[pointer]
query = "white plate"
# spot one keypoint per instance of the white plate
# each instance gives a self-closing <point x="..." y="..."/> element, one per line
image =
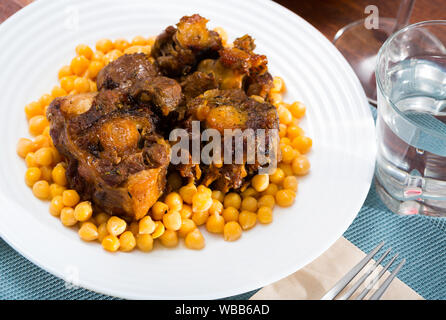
<point x="41" y="38"/>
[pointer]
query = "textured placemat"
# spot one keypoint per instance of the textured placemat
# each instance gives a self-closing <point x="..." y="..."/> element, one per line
<point x="421" y="240"/>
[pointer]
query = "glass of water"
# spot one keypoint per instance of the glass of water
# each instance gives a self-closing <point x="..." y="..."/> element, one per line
<point x="411" y="124"/>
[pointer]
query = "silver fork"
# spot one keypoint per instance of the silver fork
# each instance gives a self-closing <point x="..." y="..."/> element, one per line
<point x="341" y="284"/>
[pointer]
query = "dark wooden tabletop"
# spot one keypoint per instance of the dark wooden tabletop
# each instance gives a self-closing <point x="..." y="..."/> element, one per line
<point x="326" y="15"/>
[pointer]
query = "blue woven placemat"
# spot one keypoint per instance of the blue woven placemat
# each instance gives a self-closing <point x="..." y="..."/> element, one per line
<point x="419" y="239"/>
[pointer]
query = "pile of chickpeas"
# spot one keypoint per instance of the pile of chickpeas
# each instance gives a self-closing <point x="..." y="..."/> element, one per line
<point x="180" y="213"/>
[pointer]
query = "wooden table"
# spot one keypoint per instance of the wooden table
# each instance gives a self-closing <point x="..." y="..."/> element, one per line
<point x="328" y="16"/>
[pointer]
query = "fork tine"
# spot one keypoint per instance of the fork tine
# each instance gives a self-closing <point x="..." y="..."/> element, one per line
<point x="352" y="290"/>
<point x="340" y="285"/>
<point x="377" y="295"/>
<point x="376" y="279"/>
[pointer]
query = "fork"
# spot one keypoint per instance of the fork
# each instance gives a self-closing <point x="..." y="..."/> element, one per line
<point x="341" y="284"/>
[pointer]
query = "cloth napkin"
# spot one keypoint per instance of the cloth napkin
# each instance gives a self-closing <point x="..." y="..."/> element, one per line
<point x="315" y="279"/>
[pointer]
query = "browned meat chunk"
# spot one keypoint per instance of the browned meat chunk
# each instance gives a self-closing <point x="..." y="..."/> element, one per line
<point x="136" y="76"/>
<point x="197" y="83"/>
<point x="238" y="67"/>
<point x="230" y="109"/>
<point x="126" y="71"/>
<point x="178" y="50"/>
<point x="115" y="157"/>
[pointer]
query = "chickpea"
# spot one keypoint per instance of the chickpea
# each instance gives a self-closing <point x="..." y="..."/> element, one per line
<point x="58" y="175"/>
<point x="301" y="165"/>
<point x="41" y="141"/>
<point x="138" y="41"/>
<point x="104" y="45"/>
<point x="297" y="109"/>
<point x="201" y="202"/>
<point x="84" y="50"/>
<point x="67" y="217"/>
<point x="127" y="241"/>
<point x="116" y="226"/>
<point x="81" y="85"/>
<point x="24" y="146"/>
<point x="70" y="198"/>
<point x="284" y="114"/>
<point x="204" y="189"/>
<point x="250" y="192"/>
<point x="271" y="190"/>
<point x="288" y="153"/>
<point x="302" y="143"/>
<point x="247" y="219"/>
<point x="260" y="182"/>
<point x="265" y="215"/>
<point x="98" y="56"/>
<point x="266" y="201"/>
<point x="285" y="197"/>
<point x="216" y="207"/>
<point x="56" y="206"/>
<point x="58" y="92"/>
<point x="65" y="71"/>
<point x="285" y="140"/>
<point x="121" y="44"/>
<point x="187" y="192"/>
<point x="159" y="230"/>
<point x="56" y="190"/>
<point x="41" y="190"/>
<point x="111" y="56"/>
<point x="37" y="124"/>
<point x="111" y="243"/>
<point x="172" y="220"/>
<point x="187" y="225"/>
<point x="249" y="204"/>
<point x="102" y="231"/>
<point x="146" y="225"/>
<point x="230" y="214"/>
<point x="174" y="201"/>
<point x="44" y="156"/>
<point x="290" y="183"/>
<point x="277" y="176"/>
<point x="194" y="240"/>
<point x="32" y="175"/>
<point x="94" y="68"/>
<point x="293" y="132"/>
<point x="144" y="242"/>
<point x="79" y="65"/>
<point x="101" y="218"/>
<point x="215" y="223"/>
<point x="88" y="231"/>
<point x="67" y="83"/>
<point x="200" y="217"/>
<point x="278" y="85"/>
<point x="232" y="200"/>
<point x="33" y="109"/>
<point x="46" y="173"/>
<point x="232" y="231"/>
<point x="159" y="209"/>
<point x="282" y="130"/>
<point x="286" y="168"/>
<point x="218" y="195"/>
<point x="169" y="238"/>
<point x="186" y="211"/>
<point x="45" y="100"/>
<point x="83" y="211"/>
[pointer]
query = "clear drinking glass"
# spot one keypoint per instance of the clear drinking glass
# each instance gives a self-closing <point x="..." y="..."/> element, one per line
<point x="411" y="124"/>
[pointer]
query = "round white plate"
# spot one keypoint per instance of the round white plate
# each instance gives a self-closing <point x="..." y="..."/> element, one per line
<point x="41" y="38"/>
